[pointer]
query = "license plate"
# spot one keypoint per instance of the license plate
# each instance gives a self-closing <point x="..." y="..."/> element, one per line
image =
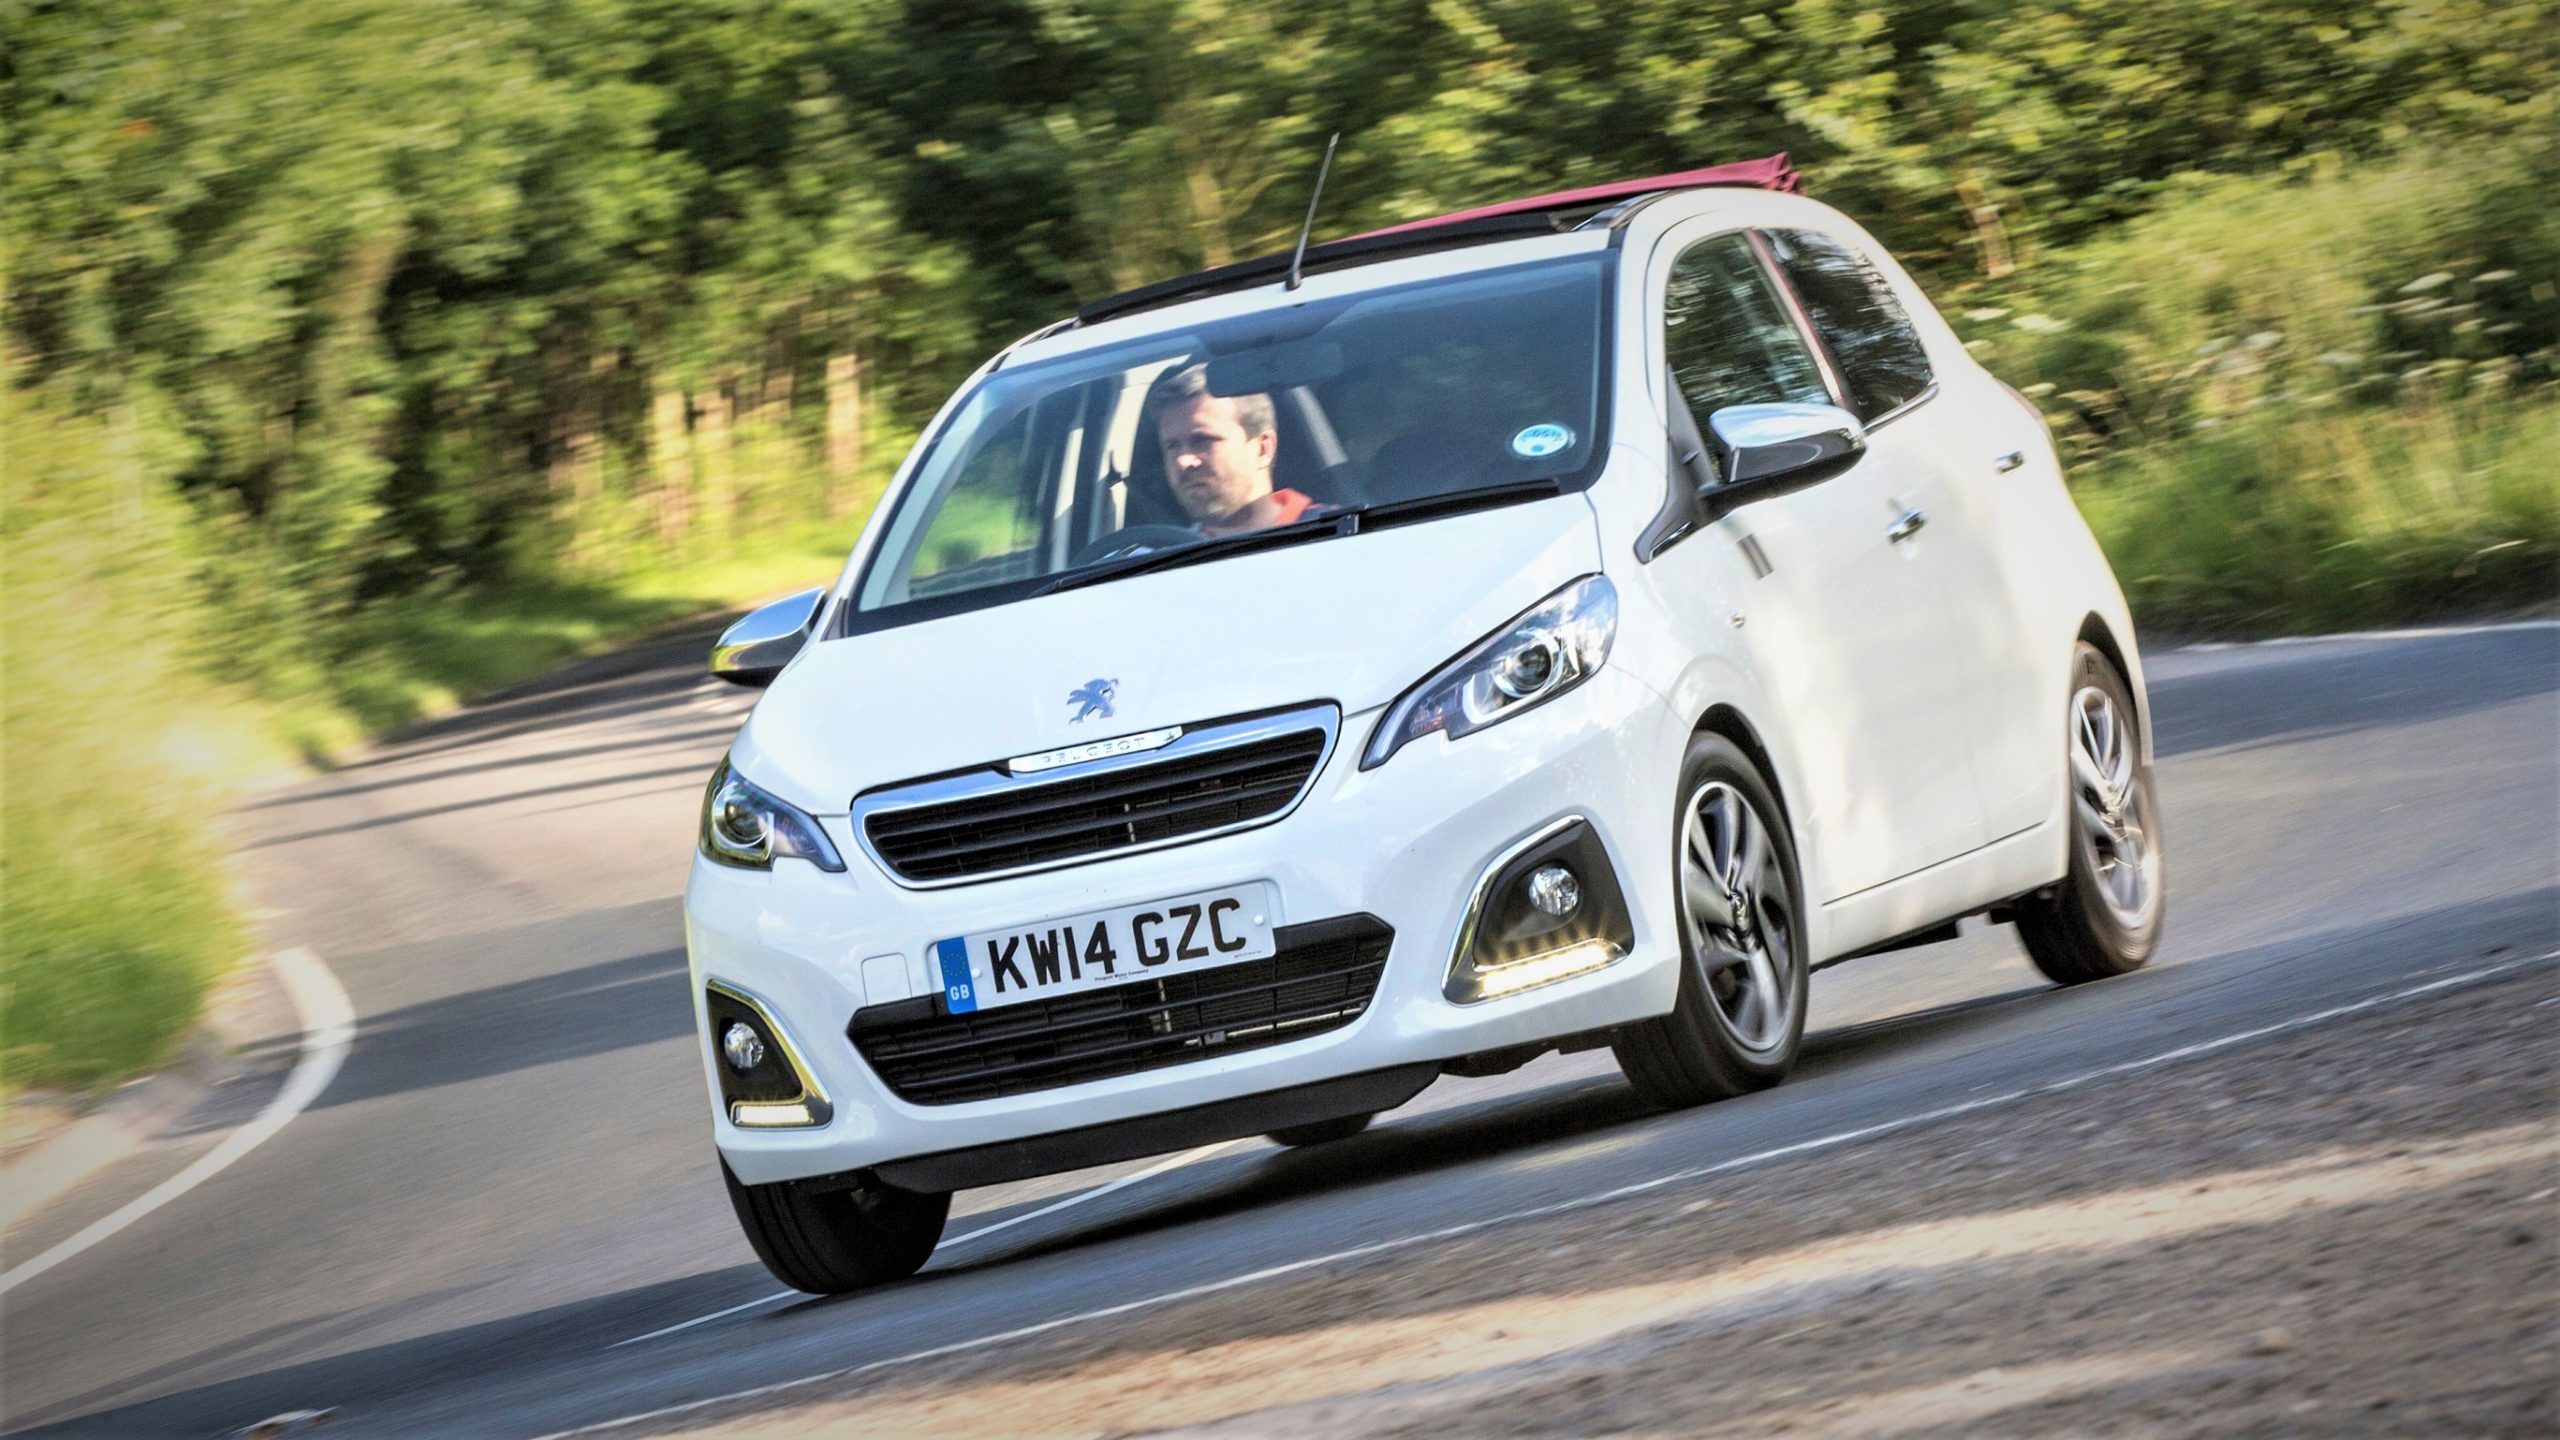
<point x="1106" y="947"/>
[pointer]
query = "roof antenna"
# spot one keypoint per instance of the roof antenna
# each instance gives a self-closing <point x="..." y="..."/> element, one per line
<point x="1299" y="257"/>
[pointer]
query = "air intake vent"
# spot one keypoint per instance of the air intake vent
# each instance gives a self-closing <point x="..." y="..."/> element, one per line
<point x="1220" y="778"/>
<point x="1321" y="978"/>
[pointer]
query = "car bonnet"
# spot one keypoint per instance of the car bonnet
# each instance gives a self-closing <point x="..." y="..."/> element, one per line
<point x="1354" y="621"/>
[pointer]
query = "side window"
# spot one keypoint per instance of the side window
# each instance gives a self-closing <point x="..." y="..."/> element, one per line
<point x="1727" y="336"/>
<point x="1870" y="337"/>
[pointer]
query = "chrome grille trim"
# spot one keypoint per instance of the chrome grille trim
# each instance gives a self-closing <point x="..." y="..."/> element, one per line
<point x="992" y="781"/>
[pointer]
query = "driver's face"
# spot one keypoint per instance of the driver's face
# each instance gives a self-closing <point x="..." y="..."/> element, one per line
<point x="1216" y="468"/>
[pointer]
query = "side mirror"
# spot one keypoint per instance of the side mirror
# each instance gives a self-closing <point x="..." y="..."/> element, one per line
<point x="1766" y="450"/>
<point x="754" y="650"/>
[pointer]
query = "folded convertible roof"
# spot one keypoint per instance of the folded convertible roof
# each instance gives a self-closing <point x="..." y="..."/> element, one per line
<point x="1548" y="214"/>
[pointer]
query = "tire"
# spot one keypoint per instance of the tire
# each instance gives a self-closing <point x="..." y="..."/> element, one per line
<point x="1714" y="1044"/>
<point x="1321" y="1132"/>
<point x="834" y="1238"/>
<point x="2104" y="917"/>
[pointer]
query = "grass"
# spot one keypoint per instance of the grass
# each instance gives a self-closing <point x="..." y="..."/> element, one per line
<point x="114" y="915"/>
<point x="424" y="656"/>
<point x="119" y="753"/>
<point x="2290" y="521"/>
<point x="2311" y="401"/>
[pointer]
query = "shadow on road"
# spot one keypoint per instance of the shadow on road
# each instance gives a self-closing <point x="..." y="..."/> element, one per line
<point x="691" y="771"/>
<point x="638" y="998"/>
<point x="2329" y="689"/>
<point x="331" y="789"/>
<point x="643" y="677"/>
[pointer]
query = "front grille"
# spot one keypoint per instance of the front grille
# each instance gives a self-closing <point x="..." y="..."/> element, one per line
<point x="1321" y="978"/>
<point x="1202" y="784"/>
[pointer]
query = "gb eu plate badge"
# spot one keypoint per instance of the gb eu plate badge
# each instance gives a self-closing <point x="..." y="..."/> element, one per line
<point x="959" y="993"/>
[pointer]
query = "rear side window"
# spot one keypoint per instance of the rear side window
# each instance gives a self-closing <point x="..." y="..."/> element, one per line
<point x="1726" y="334"/>
<point x="1870" y="338"/>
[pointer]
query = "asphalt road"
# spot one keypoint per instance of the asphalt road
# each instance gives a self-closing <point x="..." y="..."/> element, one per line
<point x="511" y="1176"/>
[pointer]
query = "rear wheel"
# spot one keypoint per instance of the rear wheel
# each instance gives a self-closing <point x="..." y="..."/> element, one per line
<point x="2104" y="918"/>
<point x="832" y="1236"/>
<point x="1740" y="1015"/>
<point x="1321" y="1132"/>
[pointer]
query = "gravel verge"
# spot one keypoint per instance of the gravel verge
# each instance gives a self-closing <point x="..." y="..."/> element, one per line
<point x="2351" y="1229"/>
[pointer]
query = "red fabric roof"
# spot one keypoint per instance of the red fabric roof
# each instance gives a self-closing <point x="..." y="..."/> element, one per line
<point x="1773" y="173"/>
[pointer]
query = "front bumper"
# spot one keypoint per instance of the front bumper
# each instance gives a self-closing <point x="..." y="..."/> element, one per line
<point x="1406" y="842"/>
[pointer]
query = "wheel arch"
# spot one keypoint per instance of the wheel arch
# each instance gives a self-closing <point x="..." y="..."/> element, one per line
<point x="1726" y="720"/>
<point x="2096" y="632"/>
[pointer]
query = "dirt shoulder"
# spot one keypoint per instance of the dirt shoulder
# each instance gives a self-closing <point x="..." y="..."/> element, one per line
<point x="2351" y="1229"/>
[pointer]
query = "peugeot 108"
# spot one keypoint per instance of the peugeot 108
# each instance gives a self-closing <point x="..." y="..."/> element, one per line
<point x="1557" y="626"/>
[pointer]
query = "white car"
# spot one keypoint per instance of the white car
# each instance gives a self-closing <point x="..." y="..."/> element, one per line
<point x="1565" y="625"/>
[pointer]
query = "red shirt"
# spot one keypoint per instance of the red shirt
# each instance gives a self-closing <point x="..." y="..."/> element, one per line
<point x="1287" y="505"/>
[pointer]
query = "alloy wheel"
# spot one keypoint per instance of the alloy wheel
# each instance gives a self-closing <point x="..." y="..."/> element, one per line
<point x="1739" y="916"/>
<point x="2111" y="811"/>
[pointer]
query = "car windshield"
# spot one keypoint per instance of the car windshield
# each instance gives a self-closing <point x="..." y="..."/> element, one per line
<point x="1379" y="403"/>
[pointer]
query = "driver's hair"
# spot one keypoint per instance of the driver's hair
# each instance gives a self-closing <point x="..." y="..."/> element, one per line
<point x="1253" y="409"/>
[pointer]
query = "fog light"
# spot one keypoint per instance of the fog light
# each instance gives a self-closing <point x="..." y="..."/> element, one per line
<point x="1554" y="891"/>
<point x="742" y="1046"/>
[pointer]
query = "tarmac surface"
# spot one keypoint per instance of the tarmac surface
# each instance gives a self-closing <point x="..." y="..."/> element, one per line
<point x="510" y="1183"/>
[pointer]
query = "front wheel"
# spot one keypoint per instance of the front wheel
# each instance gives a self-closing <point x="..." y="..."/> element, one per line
<point x="838" y="1235"/>
<point x="1740" y="1015"/>
<point x="2104" y="918"/>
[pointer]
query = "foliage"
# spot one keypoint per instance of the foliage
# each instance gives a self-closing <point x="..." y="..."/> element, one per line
<point x="360" y="352"/>
<point x="112" y="911"/>
<point x="2310" y="401"/>
<point x="2300" y="519"/>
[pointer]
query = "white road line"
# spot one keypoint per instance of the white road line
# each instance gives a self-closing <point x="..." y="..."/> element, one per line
<point x="328" y="1029"/>
<point x="2419" y="632"/>
<point x="775" y="1298"/>
<point x="1582" y="1202"/>
<point x="1170" y="1162"/>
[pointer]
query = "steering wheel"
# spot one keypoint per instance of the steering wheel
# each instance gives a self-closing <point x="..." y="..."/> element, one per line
<point x="1134" y="540"/>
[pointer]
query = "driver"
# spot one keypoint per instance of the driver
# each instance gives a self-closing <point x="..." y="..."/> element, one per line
<point x="1217" y="452"/>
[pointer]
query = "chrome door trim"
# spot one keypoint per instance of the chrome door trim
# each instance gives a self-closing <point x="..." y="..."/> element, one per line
<point x="1905" y="408"/>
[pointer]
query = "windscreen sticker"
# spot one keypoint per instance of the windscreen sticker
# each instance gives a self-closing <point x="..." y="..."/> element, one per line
<point x="1539" y="441"/>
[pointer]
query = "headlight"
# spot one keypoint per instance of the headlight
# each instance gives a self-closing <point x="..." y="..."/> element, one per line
<point x="1557" y="644"/>
<point x="743" y="825"/>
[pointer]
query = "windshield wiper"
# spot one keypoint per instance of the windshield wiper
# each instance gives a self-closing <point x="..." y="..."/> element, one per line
<point x="1314" y="527"/>
<point x="1329" y="525"/>
<point x="1451" y="502"/>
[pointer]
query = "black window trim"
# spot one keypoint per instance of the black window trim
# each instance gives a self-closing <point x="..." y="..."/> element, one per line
<point x="1833" y="378"/>
<point x="1822" y="350"/>
<point x="1683" y="512"/>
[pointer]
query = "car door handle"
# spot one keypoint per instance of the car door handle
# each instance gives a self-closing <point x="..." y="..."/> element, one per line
<point x="1908" y="526"/>
<point x="2011" y="461"/>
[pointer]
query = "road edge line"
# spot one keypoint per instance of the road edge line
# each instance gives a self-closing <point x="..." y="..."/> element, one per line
<point x="2226" y="1041"/>
<point x="2404" y="632"/>
<point x="1170" y="1162"/>
<point x="328" y="1032"/>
